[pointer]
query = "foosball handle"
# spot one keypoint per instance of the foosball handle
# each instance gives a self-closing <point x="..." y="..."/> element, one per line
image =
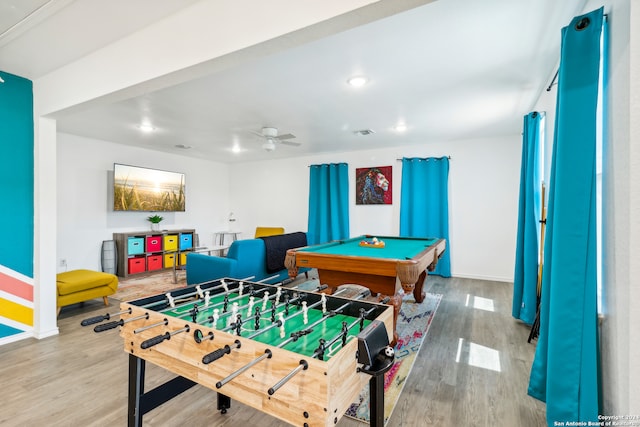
<point x="107" y="326"/>
<point x="217" y="354"/>
<point x="154" y="341"/>
<point x="94" y="320"/>
<point x="211" y="357"/>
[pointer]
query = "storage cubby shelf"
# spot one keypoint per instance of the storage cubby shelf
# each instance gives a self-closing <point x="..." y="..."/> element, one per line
<point x="146" y="252"/>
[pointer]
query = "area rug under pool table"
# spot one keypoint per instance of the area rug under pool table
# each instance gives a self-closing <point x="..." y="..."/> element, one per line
<point x="413" y="325"/>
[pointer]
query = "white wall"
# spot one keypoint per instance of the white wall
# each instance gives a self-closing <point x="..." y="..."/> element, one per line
<point x="483" y="179"/>
<point x="85" y="201"/>
<point x="621" y="191"/>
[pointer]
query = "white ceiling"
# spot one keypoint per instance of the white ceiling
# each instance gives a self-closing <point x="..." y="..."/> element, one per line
<point x="451" y="69"/>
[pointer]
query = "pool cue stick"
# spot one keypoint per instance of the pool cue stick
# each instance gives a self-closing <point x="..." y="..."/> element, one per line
<point x="291" y="316"/>
<point x="116" y="323"/>
<point x="217" y="354"/>
<point x="267" y="355"/>
<point x="301" y="367"/>
<point x="153" y="325"/>
<point x="160" y="338"/>
<point x="98" y="319"/>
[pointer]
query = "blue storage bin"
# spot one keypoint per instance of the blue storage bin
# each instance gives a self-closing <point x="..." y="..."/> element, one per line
<point x="186" y="241"/>
<point x="135" y="245"/>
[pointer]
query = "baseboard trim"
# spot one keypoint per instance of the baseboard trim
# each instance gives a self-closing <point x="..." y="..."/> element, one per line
<point x="489" y="278"/>
<point x="16" y="337"/>
<point x="46" y="334"/>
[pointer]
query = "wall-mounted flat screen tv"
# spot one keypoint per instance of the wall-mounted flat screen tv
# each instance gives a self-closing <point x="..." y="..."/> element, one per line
<point x="144" y="189"/>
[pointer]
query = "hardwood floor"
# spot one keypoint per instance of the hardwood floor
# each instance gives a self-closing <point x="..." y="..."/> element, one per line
<point x="473" y="369"/>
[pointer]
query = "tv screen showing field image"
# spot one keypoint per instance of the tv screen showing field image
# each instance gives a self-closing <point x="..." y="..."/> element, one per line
<point x="143" y="189"/>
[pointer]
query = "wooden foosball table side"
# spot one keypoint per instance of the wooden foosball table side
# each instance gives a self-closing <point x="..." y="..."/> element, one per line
<point x="315" y="396"/>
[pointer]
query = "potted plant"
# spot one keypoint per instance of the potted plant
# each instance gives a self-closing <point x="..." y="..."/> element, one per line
<point x="155" y="222"/>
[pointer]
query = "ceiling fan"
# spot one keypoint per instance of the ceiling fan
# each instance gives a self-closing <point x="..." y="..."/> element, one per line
<point x="271" y="138"/>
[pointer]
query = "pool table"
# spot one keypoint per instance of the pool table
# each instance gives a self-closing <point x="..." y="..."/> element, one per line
<point x="401" y="265"/>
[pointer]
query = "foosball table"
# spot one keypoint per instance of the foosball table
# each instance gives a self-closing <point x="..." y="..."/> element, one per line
<point x="300" y="356"/>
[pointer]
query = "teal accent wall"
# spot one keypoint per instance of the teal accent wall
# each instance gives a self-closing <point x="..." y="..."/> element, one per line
<point x="16" y="173"/>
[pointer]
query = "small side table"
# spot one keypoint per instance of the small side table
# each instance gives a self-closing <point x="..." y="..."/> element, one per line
<point x="220" y="237"/>
<point x="199" y="249"/>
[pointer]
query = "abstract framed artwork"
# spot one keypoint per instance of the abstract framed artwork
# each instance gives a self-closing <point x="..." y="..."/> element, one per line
<point x="374" y="185"/>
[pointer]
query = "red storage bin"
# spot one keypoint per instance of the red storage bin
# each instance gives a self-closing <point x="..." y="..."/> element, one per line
<point x="154" y="244"/>
<point x="154" y="262"/>
<point x="137" y="265"/>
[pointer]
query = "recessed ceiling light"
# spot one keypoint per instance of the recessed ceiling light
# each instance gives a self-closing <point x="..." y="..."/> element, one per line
<point x="146" y="127"/>
<point x="357" y="81"/>
<point x="400" y="127"/>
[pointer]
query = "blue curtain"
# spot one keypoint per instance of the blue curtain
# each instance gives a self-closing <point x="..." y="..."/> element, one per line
<point x="565" y="370"/>
<point x="328" y="203"/>
<point x="424" y="203"/>
<point x="525" y="281"/>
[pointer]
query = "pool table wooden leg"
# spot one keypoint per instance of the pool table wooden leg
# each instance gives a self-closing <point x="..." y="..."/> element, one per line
<point x="396" y="302"/>
<point x="418" y="291"/>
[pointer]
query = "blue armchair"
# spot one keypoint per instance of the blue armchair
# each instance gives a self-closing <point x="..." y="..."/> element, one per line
<point x="245" y="259"/>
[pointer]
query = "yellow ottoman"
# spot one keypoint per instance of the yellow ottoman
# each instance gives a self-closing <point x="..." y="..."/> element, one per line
<point x="82" y="285"/>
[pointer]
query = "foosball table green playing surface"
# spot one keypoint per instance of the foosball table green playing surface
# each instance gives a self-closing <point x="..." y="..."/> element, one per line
<point x="300" y="356"/>
<point x="257" y="318"/>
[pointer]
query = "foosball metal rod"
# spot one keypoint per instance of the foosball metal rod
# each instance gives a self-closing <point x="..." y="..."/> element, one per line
<point x="291" y="316"/>
<point x="116" y="323"/>
<point x="98" y="319"/>
<point x="363" y="315"/>
<point x="242" y="307"/>
<point x="210" y="318"/>
<point x="301" y="367"/>
<point x="251" y="292"/>
<point x="256" y="303"/>
<point x="160" y="338"/>
<point x="221" y="285"/>
<point x="267" y="355"/>
<point x="153" y="325"/>
<point x="295" y="335"/>
<point x="267" y="278"/>
<point x="190" y="294"/>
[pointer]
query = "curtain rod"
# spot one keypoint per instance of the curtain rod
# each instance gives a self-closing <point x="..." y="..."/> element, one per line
<point x="553" y="81"/>
<point x="448" y="157"/>
<point x="555" y="77"/>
